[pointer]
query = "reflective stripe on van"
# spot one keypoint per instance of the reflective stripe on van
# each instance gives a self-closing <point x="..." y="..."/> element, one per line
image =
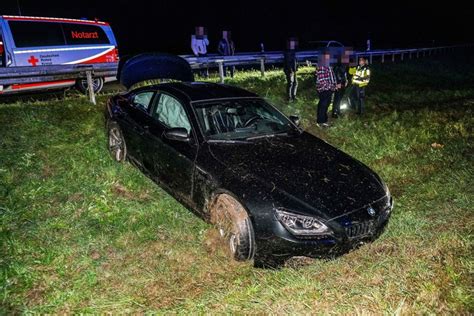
<point x="47" y="50"/>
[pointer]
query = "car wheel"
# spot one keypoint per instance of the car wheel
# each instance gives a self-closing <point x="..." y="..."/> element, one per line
<point x="116" y="142"/>
<point x="235" y="227"/>
<point x="97" y="83"/>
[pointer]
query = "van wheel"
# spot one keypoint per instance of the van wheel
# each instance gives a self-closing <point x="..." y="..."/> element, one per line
<point x="116" y="142"/>
<point x="97" y="83"/>
<point x="235" y="228"/>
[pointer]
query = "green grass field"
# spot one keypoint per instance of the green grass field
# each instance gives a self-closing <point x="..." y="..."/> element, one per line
<point x="80" y="233"/>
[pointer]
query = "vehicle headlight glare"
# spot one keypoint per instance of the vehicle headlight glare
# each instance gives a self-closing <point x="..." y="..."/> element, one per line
<point x="301" y="225"/>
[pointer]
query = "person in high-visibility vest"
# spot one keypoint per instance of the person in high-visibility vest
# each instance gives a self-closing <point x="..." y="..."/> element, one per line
<point x="360" y="80"/>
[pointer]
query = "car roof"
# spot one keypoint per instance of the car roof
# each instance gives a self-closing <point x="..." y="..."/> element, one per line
<point x="200" y="91"/>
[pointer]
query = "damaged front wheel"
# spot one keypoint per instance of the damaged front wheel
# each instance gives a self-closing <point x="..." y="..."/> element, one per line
<point x="116" y="142"/>
<point x="235" y="227"/>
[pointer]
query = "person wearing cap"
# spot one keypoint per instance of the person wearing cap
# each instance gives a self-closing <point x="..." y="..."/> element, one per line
<point x="360" y="81"/>
<point x="326" y="85"/>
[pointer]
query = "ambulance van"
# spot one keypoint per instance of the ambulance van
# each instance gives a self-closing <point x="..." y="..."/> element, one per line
<point x="37" y="41"/>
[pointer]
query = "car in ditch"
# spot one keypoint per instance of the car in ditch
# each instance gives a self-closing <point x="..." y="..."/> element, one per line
<point x="273" y="190"/>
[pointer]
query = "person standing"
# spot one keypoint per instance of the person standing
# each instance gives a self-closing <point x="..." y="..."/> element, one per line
<point x="290" y="66"/>
<point x="326" y="85"/>
<point x="360" y="80"/>
<point x="340" y="73"/>
<point x="199" y="43"/>
<point x="226" y="48"/>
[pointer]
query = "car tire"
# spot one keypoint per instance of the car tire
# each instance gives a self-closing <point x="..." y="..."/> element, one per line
<point x="98" y="83"/>
<point x="234" y="226"/>
<point x="116" y="142"/>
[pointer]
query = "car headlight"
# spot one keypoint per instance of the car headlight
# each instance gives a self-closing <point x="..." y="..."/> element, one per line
<point x="300" y="225"/>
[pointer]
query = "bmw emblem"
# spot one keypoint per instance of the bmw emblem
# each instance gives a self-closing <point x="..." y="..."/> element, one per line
<point x="371" y="211"/>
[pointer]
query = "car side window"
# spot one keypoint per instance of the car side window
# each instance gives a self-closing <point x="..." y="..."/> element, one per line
<point x="171" y="113"/>
<point x="142" y="100"/>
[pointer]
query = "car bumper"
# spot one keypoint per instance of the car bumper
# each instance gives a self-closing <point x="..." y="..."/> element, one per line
<point x="282" y="244"/>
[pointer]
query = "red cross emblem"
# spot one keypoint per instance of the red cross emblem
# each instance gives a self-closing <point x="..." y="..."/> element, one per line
<point x="33" y="61"/>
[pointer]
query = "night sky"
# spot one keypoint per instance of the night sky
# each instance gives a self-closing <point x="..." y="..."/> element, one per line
<point x="167" y="25"/>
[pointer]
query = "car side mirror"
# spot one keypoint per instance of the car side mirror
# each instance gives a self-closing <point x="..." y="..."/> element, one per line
<point x="295" y="119"/>
<point x="179" y="134"/>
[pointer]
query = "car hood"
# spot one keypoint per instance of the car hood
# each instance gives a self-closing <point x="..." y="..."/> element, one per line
<point x="306" y="168"/>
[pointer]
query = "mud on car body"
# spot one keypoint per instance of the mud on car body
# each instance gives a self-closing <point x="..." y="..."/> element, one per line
<point x="273" y="190"/>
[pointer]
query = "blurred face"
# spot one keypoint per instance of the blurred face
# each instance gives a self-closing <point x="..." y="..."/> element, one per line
<point x="291" y="44"/>
<point x="200" y="30"/>
<point x="361" y="62"/>
<point x="325" y="59"/>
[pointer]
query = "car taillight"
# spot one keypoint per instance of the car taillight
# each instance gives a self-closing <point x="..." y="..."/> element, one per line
<point x="116" y="54"/>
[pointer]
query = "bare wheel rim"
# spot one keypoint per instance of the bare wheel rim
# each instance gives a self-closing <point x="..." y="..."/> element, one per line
<point x="116" y="143"/>
<point x="95" y="84"/>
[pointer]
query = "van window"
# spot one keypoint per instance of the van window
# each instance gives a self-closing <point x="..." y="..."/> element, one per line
<point x="31" y="34"/>
<point x="34" y="34"/>
<point x="78" y="34"/>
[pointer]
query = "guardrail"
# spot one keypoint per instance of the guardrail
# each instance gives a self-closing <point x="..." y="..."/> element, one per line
<point x="19" y="75"/>
<point x="304" y="57"/>
<point x="22" y="75"/>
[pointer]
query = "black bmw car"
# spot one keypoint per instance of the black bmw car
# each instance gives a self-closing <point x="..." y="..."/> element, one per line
<point x="273" y="190"/>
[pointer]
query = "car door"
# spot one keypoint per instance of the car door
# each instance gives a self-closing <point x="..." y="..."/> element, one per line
<point x="171" y="161"/>
<point x="136" y="122"/>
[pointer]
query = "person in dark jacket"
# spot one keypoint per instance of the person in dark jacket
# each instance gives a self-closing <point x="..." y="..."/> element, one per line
<point x="340" y="72"/>
<point x="290" y="66"/>
<point x="226" y="48"/>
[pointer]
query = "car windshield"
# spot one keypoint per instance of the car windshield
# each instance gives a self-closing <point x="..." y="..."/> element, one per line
<point x="240" y="119"/>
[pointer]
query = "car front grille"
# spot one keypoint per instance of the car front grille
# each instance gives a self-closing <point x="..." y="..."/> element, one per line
<point x="359" y="229"/>
<point x="367" y="228"/>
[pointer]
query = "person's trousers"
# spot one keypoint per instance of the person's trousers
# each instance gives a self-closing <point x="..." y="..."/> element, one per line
<point x="359" y="96"/>
<point x="231" y="70"/>
<point x="291" y="85"/>
<point x="323" y="105"/>
<point x="336" y="104"/>
<point x="204" y="72"/>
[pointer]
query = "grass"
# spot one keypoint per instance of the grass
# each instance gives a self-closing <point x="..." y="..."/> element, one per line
<point x="80" y="233"/>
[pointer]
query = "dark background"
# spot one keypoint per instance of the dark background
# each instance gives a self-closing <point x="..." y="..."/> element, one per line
<point x="167" y="25"/>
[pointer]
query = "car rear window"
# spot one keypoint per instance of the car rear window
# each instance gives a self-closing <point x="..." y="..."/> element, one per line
<point x="34" y="34"/>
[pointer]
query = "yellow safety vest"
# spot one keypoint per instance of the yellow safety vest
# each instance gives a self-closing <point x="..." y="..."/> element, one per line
<point x="361" y="76"/>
